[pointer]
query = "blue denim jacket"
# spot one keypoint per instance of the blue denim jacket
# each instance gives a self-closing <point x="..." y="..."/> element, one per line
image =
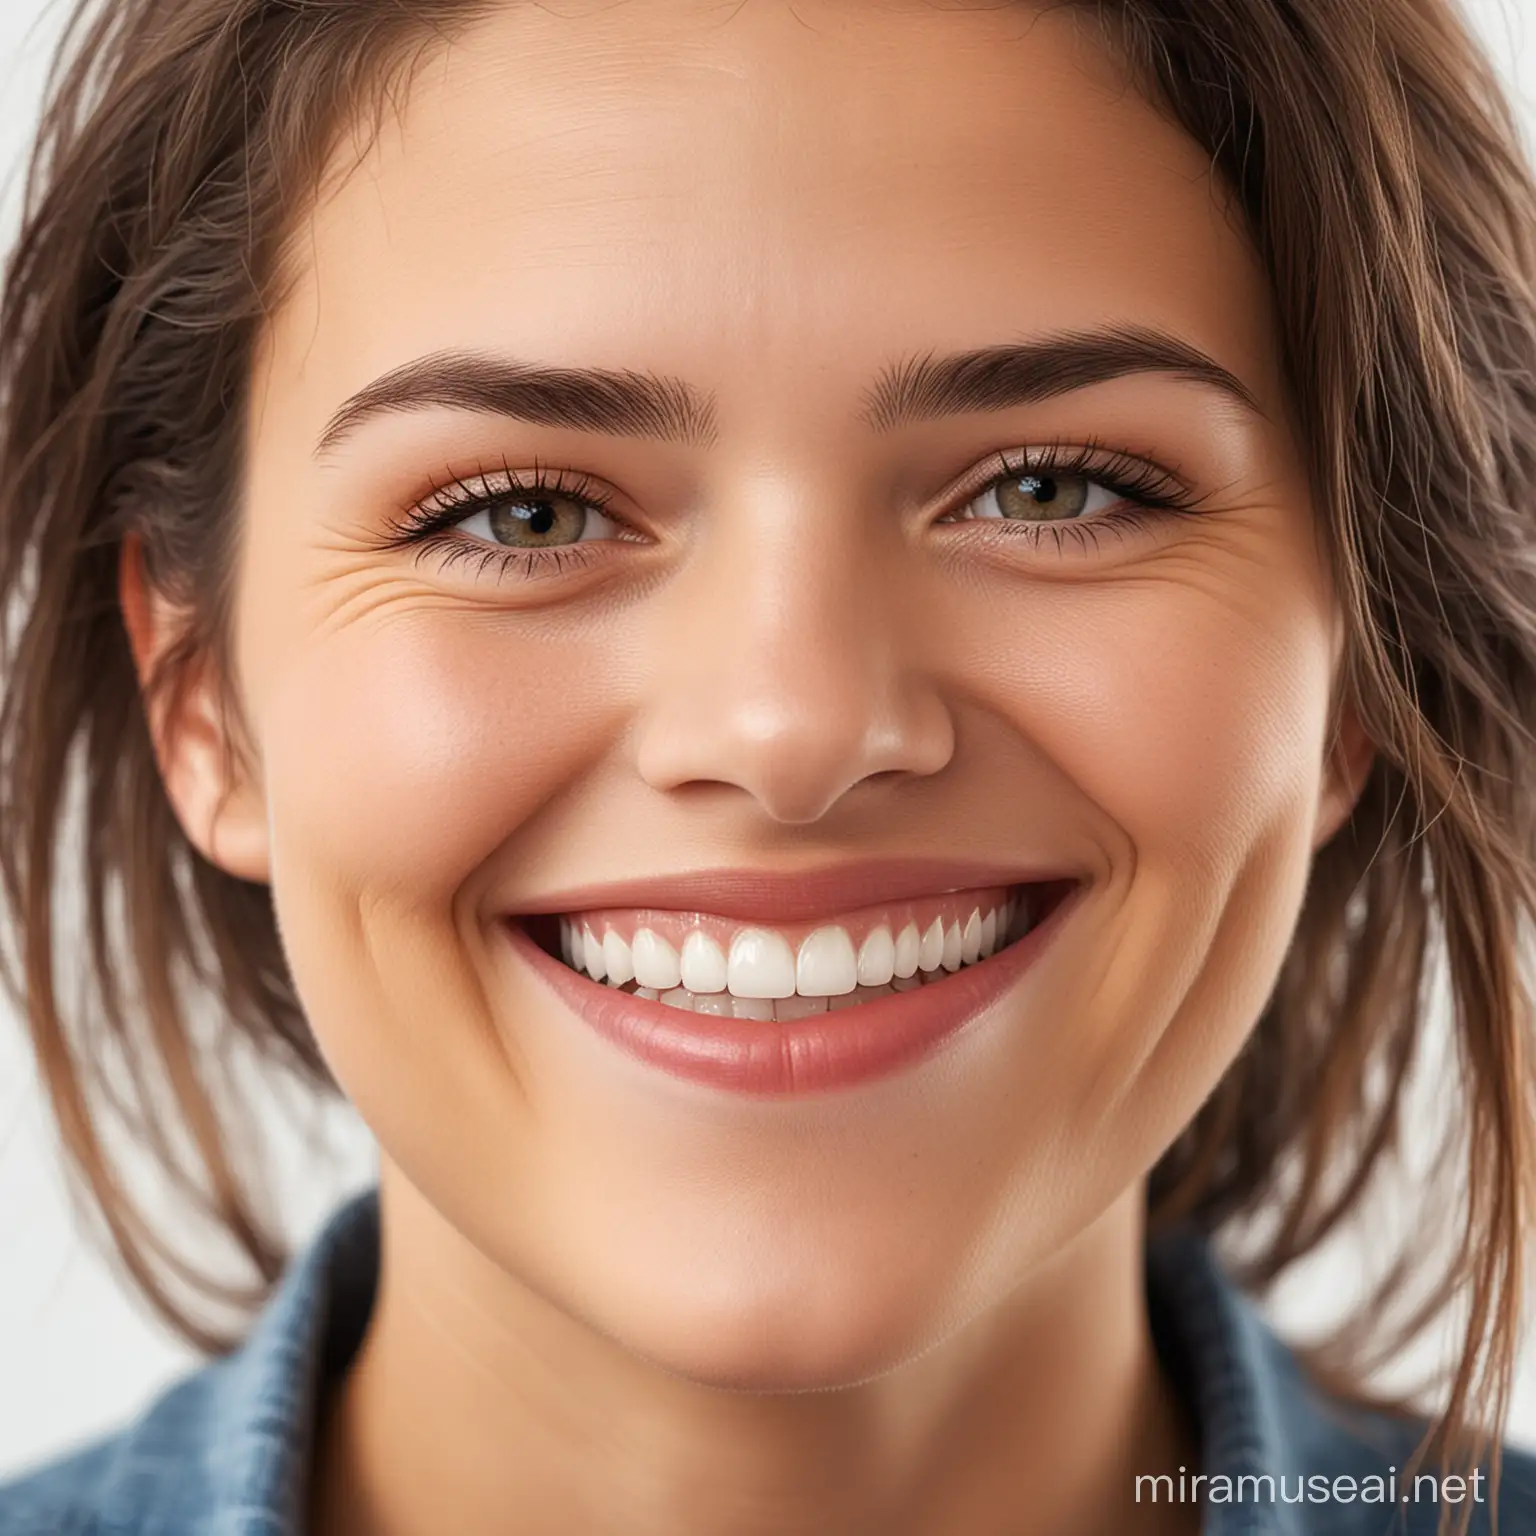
<point x="225" y="1451"/>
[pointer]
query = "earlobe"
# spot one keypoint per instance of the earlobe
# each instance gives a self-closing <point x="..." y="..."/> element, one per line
<point x="1351" y="757"/>
<point x="222" y="812"/>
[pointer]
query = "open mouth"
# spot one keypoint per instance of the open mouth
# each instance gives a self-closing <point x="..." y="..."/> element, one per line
<point x="696" y="962"/>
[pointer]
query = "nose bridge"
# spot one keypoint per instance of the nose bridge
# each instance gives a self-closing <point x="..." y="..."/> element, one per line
<point x="784" y="671"/>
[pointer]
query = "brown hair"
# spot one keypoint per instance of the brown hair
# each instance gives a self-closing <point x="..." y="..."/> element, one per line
<point x="1381" y="179"/>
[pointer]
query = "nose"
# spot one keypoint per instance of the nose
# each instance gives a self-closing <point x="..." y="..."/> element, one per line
<point x="787" y="668"/>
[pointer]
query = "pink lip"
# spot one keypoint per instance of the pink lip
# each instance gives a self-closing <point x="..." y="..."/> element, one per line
<point x="825" y="1051"/>
<point x="793" y="896"/>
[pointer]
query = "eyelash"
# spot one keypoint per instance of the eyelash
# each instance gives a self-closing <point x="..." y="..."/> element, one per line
<point x="429" y="524"/>
<point x="1147" y="492"/>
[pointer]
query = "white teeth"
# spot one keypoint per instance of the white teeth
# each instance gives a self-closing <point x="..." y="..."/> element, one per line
<point x="764" y="979"/>
<point x="703" y="965"/>
<point x="616" y="959"/>
<point x="592" y="955"/>
<point x="825" y="966"/>
<point x="788" y="1008"/>
<point x="877" y="958"/>
<point x="970" y="939"/>
<point x="952" y="948"/>
<point x="656" y="963"/>
<point x="930" y="949"/>
<point x="761" y="964"/>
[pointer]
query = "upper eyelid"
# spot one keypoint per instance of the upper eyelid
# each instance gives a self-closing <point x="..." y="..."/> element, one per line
<point x="1088" y="458"/>
<point x="457" y="490"/>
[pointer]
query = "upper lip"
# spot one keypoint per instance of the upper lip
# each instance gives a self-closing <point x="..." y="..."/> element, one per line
<point x="798" y="895"/>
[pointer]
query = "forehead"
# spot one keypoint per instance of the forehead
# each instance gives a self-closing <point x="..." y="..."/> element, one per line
<point x="738" y="192"/>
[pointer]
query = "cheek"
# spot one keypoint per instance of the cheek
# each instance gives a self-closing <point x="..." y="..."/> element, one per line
<point x="401" y="750"/>
<point x="399" y="753"/>
<point x="1177" y="720"/>
<point x="1189" y="714"/>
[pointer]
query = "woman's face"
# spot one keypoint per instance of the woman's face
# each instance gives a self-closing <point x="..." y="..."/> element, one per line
<point x="900" y="644"/>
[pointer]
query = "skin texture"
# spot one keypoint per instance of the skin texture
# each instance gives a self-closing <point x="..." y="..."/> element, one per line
<point x="612" y="1301"/>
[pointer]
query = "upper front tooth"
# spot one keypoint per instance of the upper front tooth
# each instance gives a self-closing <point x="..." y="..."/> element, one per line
<point x="703" y="964"/>
<point x="656" y="963"/>
<point x="970" y="939"/>
<point x="761" y="964"/>
<point x="592" y="955"/>
<point x="930" y="949"/>
<point x="616" y="959"/>
<point x="826" y="966"/>
<point x="567" y="941"/>
<point x="907" y="945"/>
<point x="877" y="958"/>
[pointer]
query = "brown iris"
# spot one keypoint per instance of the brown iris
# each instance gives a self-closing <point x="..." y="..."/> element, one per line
<point x="1038" y="498"/>
<point x="533" y="522"/>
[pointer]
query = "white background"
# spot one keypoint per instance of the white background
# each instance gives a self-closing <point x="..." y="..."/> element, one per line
<point x="77" y="1355"/>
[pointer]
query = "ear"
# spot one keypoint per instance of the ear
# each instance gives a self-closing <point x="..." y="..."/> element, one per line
<point x="220" y="809"/>
<point x="1351" y="756"/>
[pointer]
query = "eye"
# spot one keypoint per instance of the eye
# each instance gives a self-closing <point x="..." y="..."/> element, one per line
<point x="1071" y="499"/>
<point x="1030" y="496"/>
<point x="537" y="520"/>
<point x="512" y="524"/>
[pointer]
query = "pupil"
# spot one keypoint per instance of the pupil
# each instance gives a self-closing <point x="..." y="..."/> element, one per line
<point x="1041" y="487"/>
<point x="543" y="517"/>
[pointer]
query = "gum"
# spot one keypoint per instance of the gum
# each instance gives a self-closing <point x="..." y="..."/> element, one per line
<point x="954" y="907"/>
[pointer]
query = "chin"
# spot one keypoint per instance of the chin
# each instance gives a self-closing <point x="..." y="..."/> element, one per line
<point x="750" y="1361"/>
<point x="815" y="1337"/>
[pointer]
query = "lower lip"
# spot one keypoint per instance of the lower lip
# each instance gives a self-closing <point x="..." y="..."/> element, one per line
<point x="825" y="1051"/>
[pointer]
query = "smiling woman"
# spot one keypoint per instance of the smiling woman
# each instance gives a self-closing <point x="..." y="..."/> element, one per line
<point x="847" y="665"/>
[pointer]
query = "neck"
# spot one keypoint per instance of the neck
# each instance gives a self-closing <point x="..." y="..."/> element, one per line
<point x="474" y="1401"/>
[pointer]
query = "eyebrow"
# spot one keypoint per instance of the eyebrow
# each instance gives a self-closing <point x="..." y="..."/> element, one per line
<point x="1025" y="373"/>
<point x="625" y="403"/>
<point x="621" y="402"/>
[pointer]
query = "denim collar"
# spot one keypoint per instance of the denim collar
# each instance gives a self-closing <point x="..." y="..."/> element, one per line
<point x="226" y="1452"/>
